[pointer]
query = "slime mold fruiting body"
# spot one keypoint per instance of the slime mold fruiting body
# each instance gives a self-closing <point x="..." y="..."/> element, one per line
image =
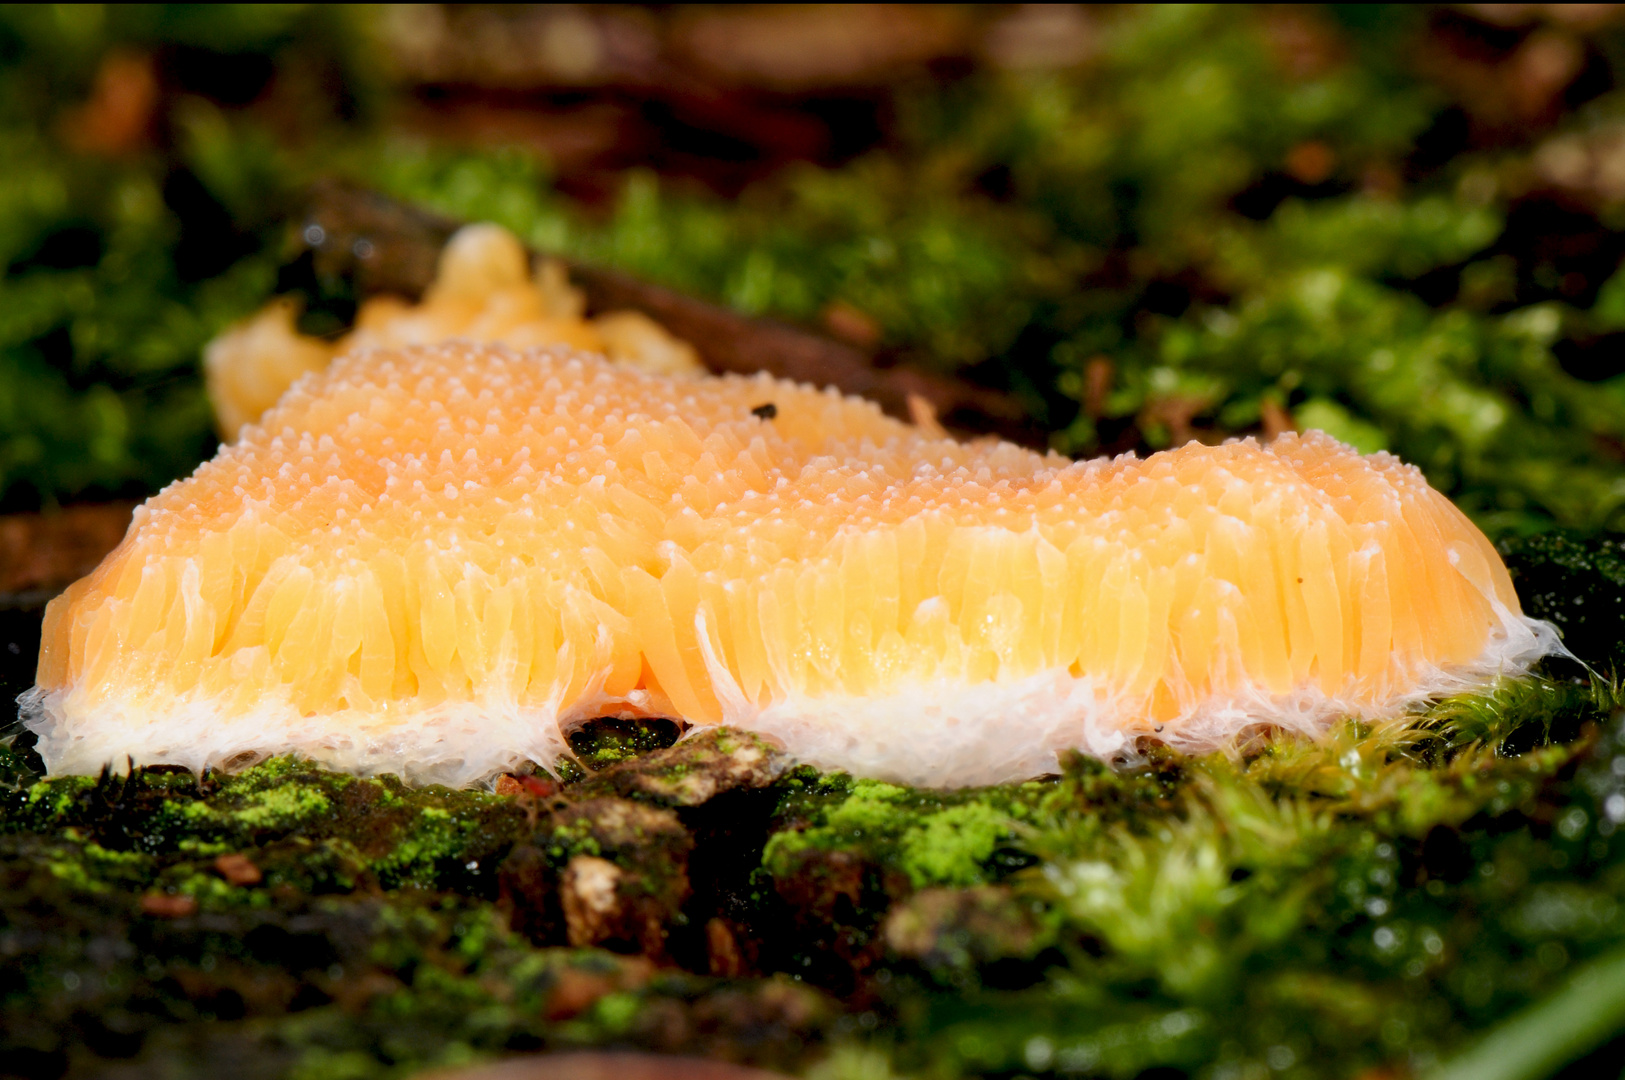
<point x="433" y="560"/>
<point x="483" y="291"/>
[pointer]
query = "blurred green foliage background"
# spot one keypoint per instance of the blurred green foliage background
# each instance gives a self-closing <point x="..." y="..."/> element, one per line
<point x="1395" y="224"/>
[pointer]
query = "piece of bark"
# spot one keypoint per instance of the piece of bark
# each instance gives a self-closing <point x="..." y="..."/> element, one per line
<point x="238" y="869"/>
<point x="730" y="952"/>
<point x="577" y="989"/>
<point x="623" y="888"/>
<point x="696" y="770"/>
<point x="514" y="786"/>
<point x="167" y="906"/>
<point x="41" y="554"/>
<point x="391" y="247"/>
<point x="964" y="927"/>
<point x="528" y="892"/>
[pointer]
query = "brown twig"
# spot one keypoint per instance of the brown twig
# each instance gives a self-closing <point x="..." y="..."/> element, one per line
<point x="42" y="553"/>
<point x="390" y="247"/>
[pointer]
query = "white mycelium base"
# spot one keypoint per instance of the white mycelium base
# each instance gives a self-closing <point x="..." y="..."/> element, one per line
<point x="932" y="735"/>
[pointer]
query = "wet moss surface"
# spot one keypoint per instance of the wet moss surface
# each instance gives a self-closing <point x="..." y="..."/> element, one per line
<point x="1381" y="900"/>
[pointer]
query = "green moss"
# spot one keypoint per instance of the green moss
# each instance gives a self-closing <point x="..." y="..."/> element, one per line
<point x="319" y="831"/>
<point x="953" y="846"/>
<point x="567" y="839"/>
<point x="870" y="811"/>
<point x="616" y="1012"/>
<point x="280" y="808"/>
<point x="1307" y="878"/>
<point x="52" y="798"/>
<point x="426" y="846"/>
<point x="928" y="838"/>
<point x="74" y="873"/>
<point x="1188" y="908"/>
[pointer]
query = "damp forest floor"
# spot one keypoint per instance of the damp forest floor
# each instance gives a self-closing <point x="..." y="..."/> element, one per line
<point x="1442" y="899"/>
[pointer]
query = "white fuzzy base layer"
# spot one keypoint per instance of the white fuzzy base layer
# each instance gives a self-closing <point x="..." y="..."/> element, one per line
<point x="932" y="735"/>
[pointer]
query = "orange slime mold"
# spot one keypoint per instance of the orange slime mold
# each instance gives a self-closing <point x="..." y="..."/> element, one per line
<point x="433" y="560"/>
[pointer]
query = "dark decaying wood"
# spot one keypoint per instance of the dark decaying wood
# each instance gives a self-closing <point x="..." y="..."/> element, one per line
<point x="391" y="247"/>
<point x="40" y="554"/>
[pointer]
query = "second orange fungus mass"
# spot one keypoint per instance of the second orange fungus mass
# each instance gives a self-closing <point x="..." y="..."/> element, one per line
<point x="434" y="559"/>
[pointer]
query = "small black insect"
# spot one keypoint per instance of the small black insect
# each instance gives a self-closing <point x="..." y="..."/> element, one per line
<point x="766" y="412"/>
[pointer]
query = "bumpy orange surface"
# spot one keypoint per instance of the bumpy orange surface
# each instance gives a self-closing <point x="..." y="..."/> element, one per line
<point x="429" y="560"/>
<point x="483" y="291"/>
